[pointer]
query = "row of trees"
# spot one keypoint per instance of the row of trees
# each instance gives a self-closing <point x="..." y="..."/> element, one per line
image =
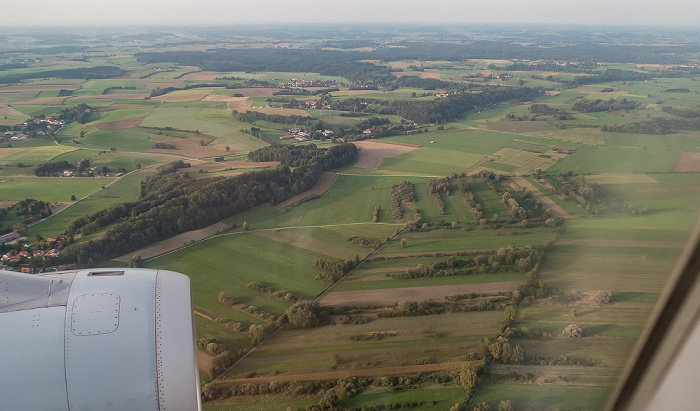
<point x="589" y="106"/>
<point x="588" y="195"/>
<point x="435" y="187"/>
<point x="251" y="116"/>
<point x="656" y="126"/>
<point x="400" y="194"/>
<point x="171" y="203"/>
<point x="505" y="259"/>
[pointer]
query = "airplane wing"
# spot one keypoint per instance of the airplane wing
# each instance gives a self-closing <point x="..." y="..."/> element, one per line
<point x="103" y="339"/>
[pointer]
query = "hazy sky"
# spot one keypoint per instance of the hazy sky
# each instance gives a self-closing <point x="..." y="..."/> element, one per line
<point x="29" y="13"/>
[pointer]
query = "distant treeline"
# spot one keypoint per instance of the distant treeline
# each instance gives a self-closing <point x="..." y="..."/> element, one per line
<point x="76" y="73"/>
<point x="171" y="202"/>
<point x="251" y="116"/>
<point x="627" y="75"/>
<point x="657" y="126"/>
<point x="455" y="106"/>
<point x="439" y="110"/>
<point x="348" y="63"/>
<point x="681" y="112"/>
<point x="566" y="68"/>
<point x="306" y="155"/>
<point x="589" y="106"/>
<point x="423" y="83"/>
<point x="611" y="75"/>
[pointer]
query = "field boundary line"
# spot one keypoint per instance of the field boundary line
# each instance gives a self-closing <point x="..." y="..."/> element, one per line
<point x="321" y="294"/>
<point x="388" y="175"/>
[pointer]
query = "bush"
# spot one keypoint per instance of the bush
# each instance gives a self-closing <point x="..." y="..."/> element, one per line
<point x="573" y="331"/>
<point x="603" y="297"/>
<point x="306" y="314"/>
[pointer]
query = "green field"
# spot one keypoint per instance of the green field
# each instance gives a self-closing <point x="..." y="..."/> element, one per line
<point x="543" y="397"/>
<point x="36" y="155"/>
<point x="51" y="188"/>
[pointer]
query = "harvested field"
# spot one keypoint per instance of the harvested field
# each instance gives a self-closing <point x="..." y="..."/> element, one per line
<point x="4" y="152"/>
<point x="180" y="98"/>
<point x="297" y="240"/>
<point x="621" y="178"/>
<point x="280" y="111"/>
<point x="191" y="147"/>
<point x="201" y="76"/>
<point x="206" y="313"/>
<point x="239" y="105"/>
<point x="165" y="84"/>
<point x="373" y="152"/>
<point x="322" y="186"/>
<point x="687" y="163"/>
<point x="431" y="74"/>
<point x="120" y="124"/>
<point x="231" y="165"/>
<point x="9" y="111"/>
<point x="44" y="101"/>
<point x="174" y="243"/>
<point x="403" y="65"/>
<point x="547" y="202"/>
<point x="395" y="295"/>
<point x="7" y="203"/>
<point x="204" y="361"/>
<point x="259" y="91"/>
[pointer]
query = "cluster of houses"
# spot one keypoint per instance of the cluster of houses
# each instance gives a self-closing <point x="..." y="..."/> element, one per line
<point x="20" y="255"/>
<point x="304" y="135"/>
<point x="310" y="83"/>
<point x="35" y="127"/>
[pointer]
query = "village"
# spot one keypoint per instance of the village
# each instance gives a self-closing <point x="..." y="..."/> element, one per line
<point x="31" y="257"/>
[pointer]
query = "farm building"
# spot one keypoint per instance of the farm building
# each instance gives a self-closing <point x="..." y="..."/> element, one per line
<point x="9" y="237"/>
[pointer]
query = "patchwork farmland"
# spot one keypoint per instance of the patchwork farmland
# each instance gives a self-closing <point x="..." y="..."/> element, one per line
<point x="484" y="225"/>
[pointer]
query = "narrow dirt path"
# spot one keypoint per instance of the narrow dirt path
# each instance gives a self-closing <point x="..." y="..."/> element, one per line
<point x="395" y="295"/>
<point x="314" y="375"/>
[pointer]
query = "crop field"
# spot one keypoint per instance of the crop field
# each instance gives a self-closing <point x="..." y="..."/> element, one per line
<point x="46" y="189"/>
<point x="546" y="396"/>
<point x="229" y="263"/>
<point x="467" y="241"/>
<point x="36" y="155"/>
<point x="184" y="119"/>
<point x="405" y="338"/>
<point x="431" y="162"/>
